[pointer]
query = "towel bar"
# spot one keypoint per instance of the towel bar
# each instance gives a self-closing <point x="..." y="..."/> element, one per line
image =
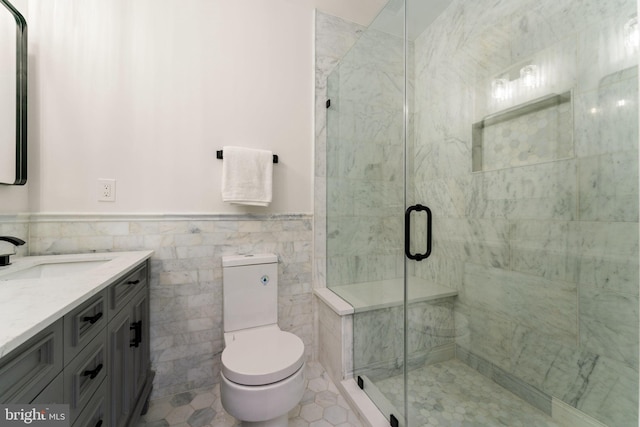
<point x="219" y="156"/>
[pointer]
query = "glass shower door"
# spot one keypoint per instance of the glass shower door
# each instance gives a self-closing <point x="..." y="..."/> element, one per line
<point x="366" y="201"/>
<point x="525" y="137"/>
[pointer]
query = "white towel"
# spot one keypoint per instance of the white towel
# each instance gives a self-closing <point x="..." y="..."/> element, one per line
<point x="247" y="176"/>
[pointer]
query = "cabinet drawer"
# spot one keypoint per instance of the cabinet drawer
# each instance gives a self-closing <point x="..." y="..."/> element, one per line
<point x="53" y="393"/>
<point x="82" y="324"/>
<point x="27" y="370"/>
<point x="121" y="292"/>
<point x="96" y="412"/>
<point x="84" y="375"/>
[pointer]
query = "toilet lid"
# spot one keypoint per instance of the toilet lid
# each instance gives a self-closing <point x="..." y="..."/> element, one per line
<point x="262" y="357"/>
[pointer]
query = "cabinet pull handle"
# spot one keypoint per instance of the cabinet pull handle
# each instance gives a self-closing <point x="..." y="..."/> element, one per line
<point x="92" y="319"/>
<point x="133" y="282"/>
<point x="99" y="423"/>
<point x="93" y="373"/>
<point x="137" y="339"/>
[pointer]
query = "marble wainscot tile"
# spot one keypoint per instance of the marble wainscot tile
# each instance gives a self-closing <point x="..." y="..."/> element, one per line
<point x="186" y="278"/>
<point x="16" y="226"/>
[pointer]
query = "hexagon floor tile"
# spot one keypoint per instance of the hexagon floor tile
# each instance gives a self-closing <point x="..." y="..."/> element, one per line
<point x="447" y="394"/>
<point x="321" y="406"/>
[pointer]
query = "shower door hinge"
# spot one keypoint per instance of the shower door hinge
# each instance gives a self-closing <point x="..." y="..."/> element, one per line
<point x="393" y="421"/>
<point x="360" y="382"/>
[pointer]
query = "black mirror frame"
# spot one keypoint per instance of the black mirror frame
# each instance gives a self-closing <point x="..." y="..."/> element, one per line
<point x="21" y="94"/>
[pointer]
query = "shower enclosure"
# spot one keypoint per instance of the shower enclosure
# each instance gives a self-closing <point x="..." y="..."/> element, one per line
<point x="516" y="124"/>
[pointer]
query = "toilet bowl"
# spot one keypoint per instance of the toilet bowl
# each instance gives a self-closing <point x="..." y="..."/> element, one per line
<point x="262" y="374"/>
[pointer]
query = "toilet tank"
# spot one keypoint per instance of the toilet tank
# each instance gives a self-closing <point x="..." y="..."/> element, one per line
<point x="249" y="291"/>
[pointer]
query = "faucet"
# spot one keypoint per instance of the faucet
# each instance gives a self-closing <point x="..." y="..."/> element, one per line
<point x="5" y="258"/>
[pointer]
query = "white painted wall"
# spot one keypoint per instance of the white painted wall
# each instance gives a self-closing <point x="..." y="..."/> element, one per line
<point x="145" y="92"/>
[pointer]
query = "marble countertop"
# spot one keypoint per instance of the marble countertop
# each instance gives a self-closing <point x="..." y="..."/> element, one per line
<point x="27" y="306"/>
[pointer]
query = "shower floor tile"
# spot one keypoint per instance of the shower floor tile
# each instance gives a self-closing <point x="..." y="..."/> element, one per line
<point x="322" y="405"/>
<point x="454" y="395"/>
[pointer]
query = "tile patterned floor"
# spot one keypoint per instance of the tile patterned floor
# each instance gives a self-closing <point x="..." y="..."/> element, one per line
<point x="447" y="394"/>
<point x="452" y="394"/>
<point x="321" y="406"/>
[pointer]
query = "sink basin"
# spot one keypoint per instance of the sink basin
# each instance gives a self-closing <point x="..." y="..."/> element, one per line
<point x="46" y="270"/>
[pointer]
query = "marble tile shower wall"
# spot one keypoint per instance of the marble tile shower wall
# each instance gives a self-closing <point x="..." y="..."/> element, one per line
<point x="544" y="256"/>
<point x="333" y="39"/>
<point x="186" y="277"/>
<point x="365" y="152"/>
<point x="378" y="344"/>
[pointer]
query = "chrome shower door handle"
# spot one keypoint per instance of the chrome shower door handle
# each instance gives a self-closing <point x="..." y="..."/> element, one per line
<point x="407" y="232"/>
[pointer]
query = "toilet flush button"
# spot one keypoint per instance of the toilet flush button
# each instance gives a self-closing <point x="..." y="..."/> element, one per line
<point x="264" y="280"/>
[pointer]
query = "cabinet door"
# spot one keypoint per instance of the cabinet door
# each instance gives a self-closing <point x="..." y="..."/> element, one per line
<point x="120" y="392"/>
<point x="140" y="343"/>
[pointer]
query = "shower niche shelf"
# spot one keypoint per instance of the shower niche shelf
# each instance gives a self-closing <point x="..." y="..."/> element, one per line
<point x="537" y="131"/>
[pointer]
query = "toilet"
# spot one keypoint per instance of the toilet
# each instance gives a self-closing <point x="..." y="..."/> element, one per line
<point x="262" y="366"/>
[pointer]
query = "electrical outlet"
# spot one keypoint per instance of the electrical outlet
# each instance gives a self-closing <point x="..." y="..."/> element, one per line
<point x="106" y="190"/>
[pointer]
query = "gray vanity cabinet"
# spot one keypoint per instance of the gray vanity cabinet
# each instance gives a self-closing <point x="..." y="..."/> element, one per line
<point x="128" y="331"/>
<point x="96" y="358"/>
